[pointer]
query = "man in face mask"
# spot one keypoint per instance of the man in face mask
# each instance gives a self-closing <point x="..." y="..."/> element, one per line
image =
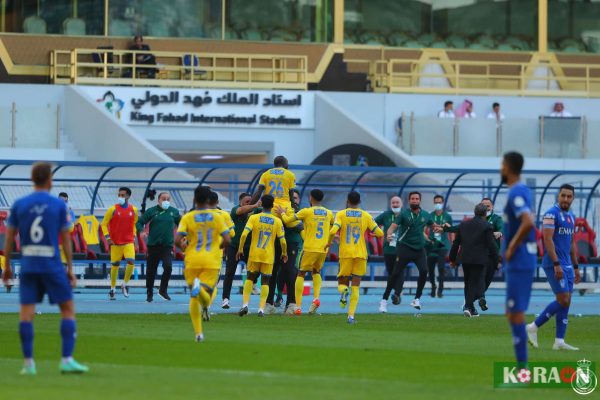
<point x="497" y="227"/>
<point x="385" y="219"/>
<point x="437" y="246"/>
<point x="162" y="219"/>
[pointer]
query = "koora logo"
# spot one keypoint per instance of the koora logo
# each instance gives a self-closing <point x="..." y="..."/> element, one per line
<point x="112" y="104"/>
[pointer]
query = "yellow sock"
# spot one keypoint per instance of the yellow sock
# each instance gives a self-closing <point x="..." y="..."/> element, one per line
<point x="114" y="274"/>
<point x="247" y="290"/>
<point x="354" y="295"/>
<point x="195" y="315"/>
<point x="204" y="297"/>
<point x="299" y="290"/>
<point x="317" y="282"/>
<point x="128" y="272"/>
<point x="264" y="293"/>
<point x="214" y="295"/>
<point x="342" y="288"/>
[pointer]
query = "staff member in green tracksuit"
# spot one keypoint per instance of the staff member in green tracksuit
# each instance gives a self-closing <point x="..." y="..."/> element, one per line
<point x="385" y="220"/>
<point x="162" y="219"/>
<point x="497" y="227"/>
<point x="437" y="246"/>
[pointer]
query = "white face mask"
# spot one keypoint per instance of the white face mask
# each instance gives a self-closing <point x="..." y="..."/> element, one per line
<point x="165" y="204"/>
<point x="488" y="213"/>
<point x="396" y="210"/>
<point x="438" y="207"/>
<point x="121" y="200"/>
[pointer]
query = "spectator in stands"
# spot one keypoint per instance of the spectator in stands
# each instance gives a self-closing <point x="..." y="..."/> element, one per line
<point x="163" y="219"/>
<point x="466" y="110"/>
<point x="495" y="113"/>
<point x="448" y="111"/>
<point x="143" y="58"/>
<point x="559" y="111"/>
<point x="65" y="197"/>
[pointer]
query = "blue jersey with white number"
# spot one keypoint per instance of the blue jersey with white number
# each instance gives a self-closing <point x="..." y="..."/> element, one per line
<point x="39" y="219"/>
<point x="518" y="203"/>
<point x="563" y="223"/>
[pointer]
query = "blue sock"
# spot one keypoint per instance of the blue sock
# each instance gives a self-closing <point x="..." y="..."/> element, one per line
<point x="520" y="343"/>
<point x="562" y="318"/>
<point x="67" y="331"/>
<point x="26" y="333"/>
<point x="550" y="310"/>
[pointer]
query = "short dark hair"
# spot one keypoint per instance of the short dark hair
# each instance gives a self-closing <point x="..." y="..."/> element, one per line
<point x="41" y="173"/>
<point x="495" y="105"/>
<point x="267" y="201"/>
<point x="242" y="195"/>
<point x="138" y="36"/>
<point x="566" y="186"/>
<point x="480" y="210"/>
<point x="125" y="189"/>
<point x="63" y="194"/>
<point x="213" y="198"/>
<point x="514" y="161"/>
<point x="437" y="196"/>
<point x="354" y="198"/>
<point x="415" y="192"/>
<point x="317" y="194"/>
<point x="161" y="193"/>
<point x="201" y="194"/>
<point x="447" y="103"/>
<point x="487" y="198"/>
<point x="279" y="161"/>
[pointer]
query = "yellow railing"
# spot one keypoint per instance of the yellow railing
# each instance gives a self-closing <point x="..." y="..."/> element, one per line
<point x="483" y="77"/>
<point x="179" y="69"/>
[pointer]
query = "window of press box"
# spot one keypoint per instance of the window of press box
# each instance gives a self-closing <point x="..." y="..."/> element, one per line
<point x="574" y="26"/>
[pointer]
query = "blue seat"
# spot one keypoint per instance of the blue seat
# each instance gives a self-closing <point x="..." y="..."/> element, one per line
<point x="191" y="61"/>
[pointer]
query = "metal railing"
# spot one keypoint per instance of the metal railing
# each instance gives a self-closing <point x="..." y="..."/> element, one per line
<point x="30" y="127"/>
<point x="179" y="69"/>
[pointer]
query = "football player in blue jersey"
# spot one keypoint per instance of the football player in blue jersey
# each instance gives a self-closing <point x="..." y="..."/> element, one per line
<point x="41" y="219"/>
<point x="560" y="266"/>
<point x="519" y="253"/>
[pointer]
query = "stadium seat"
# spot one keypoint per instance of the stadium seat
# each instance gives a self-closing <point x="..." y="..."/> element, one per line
<point x="187" y="60"/>
<point x="34" y="24"/>
<point x="585" y="240"/>
<point x="119" y="27"/>
<point x="158" y="29"/>
<point x="74" y="26"/>
<point x="456" y="41"/>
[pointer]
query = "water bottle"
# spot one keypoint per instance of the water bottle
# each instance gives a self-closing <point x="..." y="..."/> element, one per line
<point x="394" y="239"/>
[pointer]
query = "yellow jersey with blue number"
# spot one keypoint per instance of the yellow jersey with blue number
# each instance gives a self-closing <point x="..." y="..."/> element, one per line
<point x="265" y="229"/>
<point x="203" y="230"/>
<point x="278" y="182"/>
<point x="317" y="222"/>
<point x="228" y="221"/>
<point x="352" y="224"/>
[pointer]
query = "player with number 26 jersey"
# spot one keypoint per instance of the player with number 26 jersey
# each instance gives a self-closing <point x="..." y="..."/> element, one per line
<point x="278" y="182"/>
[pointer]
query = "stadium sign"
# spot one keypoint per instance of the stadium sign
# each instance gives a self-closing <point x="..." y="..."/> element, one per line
<point x="209" y="108"/>
<point x="579" y="376"/>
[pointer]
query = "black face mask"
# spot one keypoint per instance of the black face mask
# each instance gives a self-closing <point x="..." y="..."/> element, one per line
<point x="504" y="179"/>
<point x="414" y="206"/>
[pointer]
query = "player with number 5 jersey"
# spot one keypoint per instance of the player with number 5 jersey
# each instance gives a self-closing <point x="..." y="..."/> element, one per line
<point x="352" y="224"/>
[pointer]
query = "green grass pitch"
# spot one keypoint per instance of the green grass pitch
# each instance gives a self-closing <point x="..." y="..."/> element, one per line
<point x="280" y="357"/>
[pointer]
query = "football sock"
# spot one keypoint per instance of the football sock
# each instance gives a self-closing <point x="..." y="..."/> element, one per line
<point x="67" y="332"/>
<point x="299" y="290"/>
<point x="520" y="343"/>
<point x="342" y="288"/>
<point x="205" y="295"/>
<point x="548" y="312"/>
<point x="354" y="295"/>
<point x="195" y="315"/>
<point x="317" y="282"/>
<point x="114" y="274"/>
<point x="264" y="293"/>
<point x="247" y="290"/>
<point x="128" y="273"/>
<point x="26" y="333"/>
<point x="562" y="319"/>
<point x="214" y="295"/>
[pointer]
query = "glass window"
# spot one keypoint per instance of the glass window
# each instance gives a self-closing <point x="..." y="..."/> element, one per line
<point x="574" y="26"/>
<point x="70" y="17"/>
<point x="280" y="20"/>
<point x="471" y="24"/>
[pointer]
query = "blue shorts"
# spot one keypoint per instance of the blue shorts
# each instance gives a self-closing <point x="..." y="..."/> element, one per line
<point x="518" y="289"/>
<point x="33" y="287"/>
<point x="565" y="285"/>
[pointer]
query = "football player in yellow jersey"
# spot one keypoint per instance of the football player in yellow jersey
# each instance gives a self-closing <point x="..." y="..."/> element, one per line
<point x="317" y="222"/>
<point x="277" y="182"/>
<point x="265" y="229"/>
<point x="199" y="236"/>
<point x="352" y="224"/>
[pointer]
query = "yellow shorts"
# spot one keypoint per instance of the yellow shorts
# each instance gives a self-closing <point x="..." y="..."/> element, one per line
<point x="208" y="276"/>
<point x="353" y="266"/>
<point x="310" y="261"/>
<point x="263" y="268"/>
<point x="118" y="252"/>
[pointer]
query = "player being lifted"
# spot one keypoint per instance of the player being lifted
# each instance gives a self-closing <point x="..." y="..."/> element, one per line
<point x="265" y="228"/>
<point x="520" y="252"/>
<point x="560" y="266"/>
<point x="40" y="219"/>
<point x="199" y="236"/>
<point x="352" y="224"/>
<point x="118" y="227"/>
<point x="317" y="222"/>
